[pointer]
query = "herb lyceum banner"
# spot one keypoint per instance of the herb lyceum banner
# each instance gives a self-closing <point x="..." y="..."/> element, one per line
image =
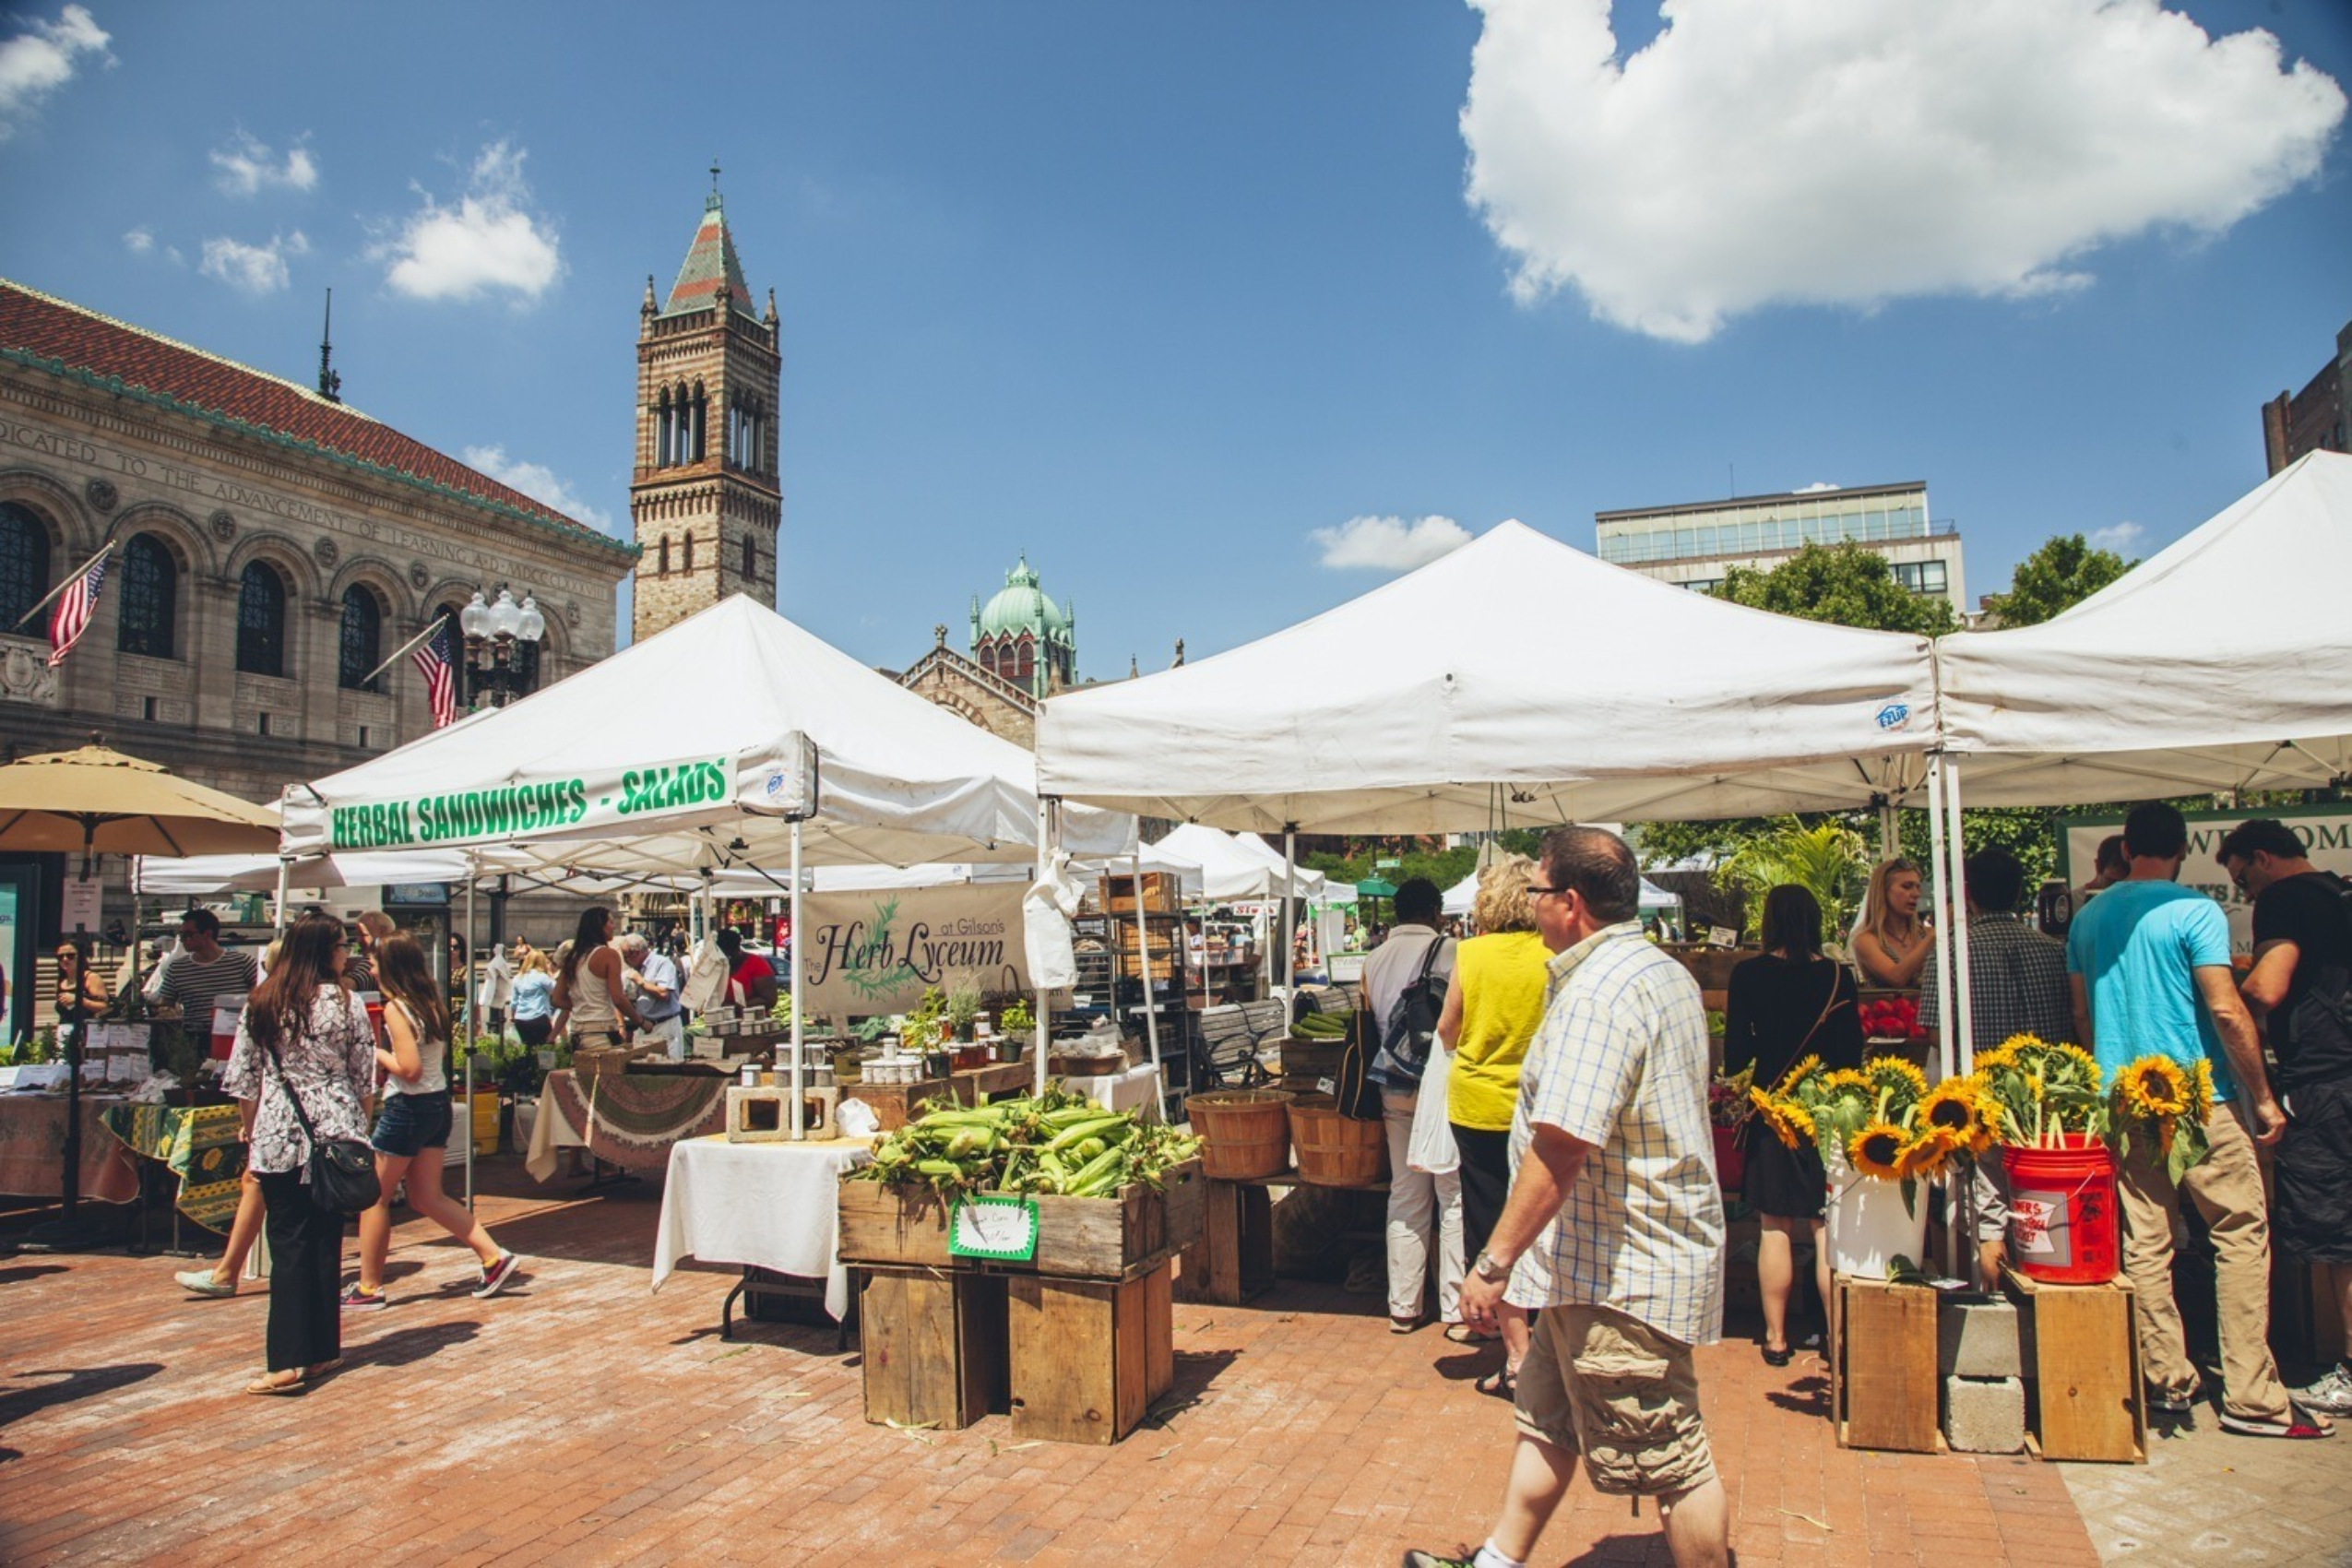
<point x="521" y="806"/>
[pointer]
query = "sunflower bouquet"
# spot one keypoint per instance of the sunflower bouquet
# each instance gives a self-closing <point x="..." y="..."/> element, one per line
<point x="1883" y="1119"/>
<point x="2158" y="1100"/>
<point x="2041" y="1094"/>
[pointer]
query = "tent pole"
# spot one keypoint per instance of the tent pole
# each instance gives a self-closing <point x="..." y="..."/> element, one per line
<point x="1943" y="937"/>
<point x="1289" y="893"/>
<point x="1044" y="1030"/>
<point x="472" y="1024"/>
<point x="800" y="1110"/>
<point x="1143" y="946"/>
<point x="1890" y="829"/>
<point x="1964" y="1053"/>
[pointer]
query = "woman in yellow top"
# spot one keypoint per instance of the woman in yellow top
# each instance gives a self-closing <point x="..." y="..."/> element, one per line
<point x="1491" y="1009"/>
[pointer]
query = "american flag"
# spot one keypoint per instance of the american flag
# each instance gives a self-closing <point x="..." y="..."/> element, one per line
<point x="440" y="673"/>
<point x="76" y="607"/>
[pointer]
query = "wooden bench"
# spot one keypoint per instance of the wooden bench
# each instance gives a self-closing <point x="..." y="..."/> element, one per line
<point x="1227" y="1040"/>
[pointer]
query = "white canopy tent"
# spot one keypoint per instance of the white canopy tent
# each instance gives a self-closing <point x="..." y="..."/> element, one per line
<point x="1465" y="893"/>
<point x="768" y="747"/>
<point x="1235" y="865"/>
<point x="1585" y="692"/>
<point x="2222" y="663"/>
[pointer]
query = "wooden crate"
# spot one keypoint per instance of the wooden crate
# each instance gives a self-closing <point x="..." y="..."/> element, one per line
<point x="1118" y="893"/>
<point x="883" y="1225"/>
<point x="1884" y="1388"/>
<point x="1108" y="1238"/>
<point x="2081" y="1369"/>
<point x="933" y="1345"/>
<point x="1234" y="1258"/>
<point x="1089" y="1357"/>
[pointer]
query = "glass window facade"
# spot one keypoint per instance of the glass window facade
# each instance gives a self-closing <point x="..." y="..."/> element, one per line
<point x="148" y="610"/>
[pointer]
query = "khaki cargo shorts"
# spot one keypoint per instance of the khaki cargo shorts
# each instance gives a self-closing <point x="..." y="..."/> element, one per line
<point x="1612" y="1388"/>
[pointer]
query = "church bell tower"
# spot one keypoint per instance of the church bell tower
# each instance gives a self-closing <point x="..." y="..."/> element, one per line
<point x="704" y="492"/>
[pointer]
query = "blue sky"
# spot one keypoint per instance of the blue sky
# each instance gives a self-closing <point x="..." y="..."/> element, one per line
<point x="1171" y="297"/>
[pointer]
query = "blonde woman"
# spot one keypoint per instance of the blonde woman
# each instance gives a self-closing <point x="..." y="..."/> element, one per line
<point x="532" y="1000"/>
<point x="1492" y="1006"/>
<point x="1893" y="943"/>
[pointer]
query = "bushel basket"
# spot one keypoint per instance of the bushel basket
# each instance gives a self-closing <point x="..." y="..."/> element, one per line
<point x="1244" y="1134"/>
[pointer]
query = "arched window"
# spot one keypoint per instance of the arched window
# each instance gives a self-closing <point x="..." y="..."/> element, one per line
<point x="525" y="657"/>
<point x="663" y="556"/>
<point x="147" y="613"/>
<point x="988" y="656"/>
<point x="751" y="558"/>
<point x="363" y="641"/>
<point x="1027" y="667"/>
<point x="690" y="549"/>
<point x="24" y="567"/>
<point x="261" y="620"/>
<point x="661" y="432"/>
<point x="702" y="405"/>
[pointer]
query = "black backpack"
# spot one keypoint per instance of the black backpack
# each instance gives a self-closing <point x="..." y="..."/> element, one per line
<point x="1350" y="1085"/>
<point x="1412" y="1027"/>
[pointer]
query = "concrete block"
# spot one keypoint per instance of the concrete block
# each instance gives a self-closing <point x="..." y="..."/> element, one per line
<point x="1984" y="1415"/>
<point x="1978" y="1339"/>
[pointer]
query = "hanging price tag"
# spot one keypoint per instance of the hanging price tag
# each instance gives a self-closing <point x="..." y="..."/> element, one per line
<point x="995" y="1227"/>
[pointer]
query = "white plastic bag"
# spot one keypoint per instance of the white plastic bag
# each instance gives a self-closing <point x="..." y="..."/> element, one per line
<point x="1431" y="1147"/>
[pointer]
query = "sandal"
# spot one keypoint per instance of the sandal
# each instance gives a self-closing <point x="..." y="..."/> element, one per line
<point x="1503" y="1382"/>
<point x="283" y="1385"/>
<point x="1779" y="1357"/>
<point x="1463" y="1334"/>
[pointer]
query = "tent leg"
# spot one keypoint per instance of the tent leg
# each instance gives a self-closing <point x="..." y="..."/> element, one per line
<point x="1943" y="936"/>
<point x="472" y="1023"/>
<point x="1143" y="945"/>
<point x="1289" y="893"/>
<point x="1964" y="1045"/>
<point x="798" y="1081"/>
<point x="1045" y="1031"/>
<point x="1890" y="830"/>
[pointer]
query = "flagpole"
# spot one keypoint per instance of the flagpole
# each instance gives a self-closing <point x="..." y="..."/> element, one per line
<point x="63" y="584"/>
<point x="431" y="627"/>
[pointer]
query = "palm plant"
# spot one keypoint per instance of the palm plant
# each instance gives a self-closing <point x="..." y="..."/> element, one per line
<point x="1830" y="861"/>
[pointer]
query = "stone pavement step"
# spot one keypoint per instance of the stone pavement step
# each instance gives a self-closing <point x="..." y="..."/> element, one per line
<point x="580" y="1418"/>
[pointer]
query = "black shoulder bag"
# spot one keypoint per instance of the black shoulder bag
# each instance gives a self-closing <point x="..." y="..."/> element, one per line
<point x="342" y="1170"/>
<point x="1412" y="1027"/>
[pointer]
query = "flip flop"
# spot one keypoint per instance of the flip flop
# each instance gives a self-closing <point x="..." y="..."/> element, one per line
<point x="1503" y="1382"/>
<point x="286" y="1388"/>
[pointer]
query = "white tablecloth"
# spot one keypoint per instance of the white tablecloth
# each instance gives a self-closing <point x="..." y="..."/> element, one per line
<point x="1136" y="1089"/>
<point x="758" y="1206"/>
<point x="550" y="1131"/>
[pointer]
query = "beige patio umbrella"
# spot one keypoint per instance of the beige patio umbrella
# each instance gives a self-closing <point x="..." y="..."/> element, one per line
<point x="103" y="803"/>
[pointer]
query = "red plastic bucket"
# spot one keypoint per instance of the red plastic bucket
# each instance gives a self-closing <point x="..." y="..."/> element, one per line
<point x="2061" y="1212"/>
<point x="1731" y="1158"/>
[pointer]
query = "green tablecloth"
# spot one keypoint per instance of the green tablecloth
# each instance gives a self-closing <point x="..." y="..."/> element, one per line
<point x="201" y="1146"/>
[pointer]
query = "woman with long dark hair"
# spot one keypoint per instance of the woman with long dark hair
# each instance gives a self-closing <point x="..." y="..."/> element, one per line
<point x="589" y="991"/>
<point x="304" y="1038"/>
<point x="412" y="1127"/>
<point x="1781" y="1007"/>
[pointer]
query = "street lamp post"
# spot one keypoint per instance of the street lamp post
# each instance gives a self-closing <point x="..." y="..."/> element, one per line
<point x="495" y="636"/>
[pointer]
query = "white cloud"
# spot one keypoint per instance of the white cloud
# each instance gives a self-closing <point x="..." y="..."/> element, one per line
<point x="1848" y="152"/>
<point x="248" y="166"/>
<point x="538" y="481"/>
<point x="257" y="270"/>
<point x="1814" y="489"/>
<point x="2122" y="537"/>
<point x="140" y="240"/>
<point x="1388" y="544"/>
<point x="489" y="241"/>
<point x="42" y="58"/>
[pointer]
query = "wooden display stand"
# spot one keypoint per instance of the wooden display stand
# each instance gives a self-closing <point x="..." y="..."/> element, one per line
<point x="933" y="1344"/>
<point x="1109" y="1238"/>
<point x="1089" y="1357"/>
<point x="2082" y="1370"/>
<point x="1234" y="1258"/>
<point x="1883" y="1395"/>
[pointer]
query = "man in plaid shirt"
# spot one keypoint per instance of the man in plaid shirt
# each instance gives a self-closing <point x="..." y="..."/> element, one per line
<point x="2016" y="976"/>
<point x="1614" y="1225"/>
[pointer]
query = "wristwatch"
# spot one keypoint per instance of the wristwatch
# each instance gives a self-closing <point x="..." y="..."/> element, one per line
<point x="1488" y="1269"/>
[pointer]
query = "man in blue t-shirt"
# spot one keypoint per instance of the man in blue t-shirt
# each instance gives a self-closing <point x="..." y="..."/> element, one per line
<point x="2148" y="962"/>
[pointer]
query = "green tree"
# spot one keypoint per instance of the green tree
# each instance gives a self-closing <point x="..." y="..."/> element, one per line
<point x="1846" y="584"/>
<point x="2065" y="571"/>
<point x="1828" y="858"/>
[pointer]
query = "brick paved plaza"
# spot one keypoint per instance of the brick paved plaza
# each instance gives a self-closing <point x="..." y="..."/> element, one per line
<point x="580" y="1419"/>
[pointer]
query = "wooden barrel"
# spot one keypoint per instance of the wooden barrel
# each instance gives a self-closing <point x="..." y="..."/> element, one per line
<point x="1244" y="1134"/>
<point x="1335" y="1150"/>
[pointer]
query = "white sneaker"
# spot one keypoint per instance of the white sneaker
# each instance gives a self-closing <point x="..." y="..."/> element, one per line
<point x="2331" y="1395"/>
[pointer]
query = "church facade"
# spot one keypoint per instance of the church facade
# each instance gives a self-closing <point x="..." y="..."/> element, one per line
<point x="1023" y="649"/>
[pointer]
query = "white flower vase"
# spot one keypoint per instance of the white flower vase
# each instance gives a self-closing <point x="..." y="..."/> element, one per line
<point x="1869" y="1224"/>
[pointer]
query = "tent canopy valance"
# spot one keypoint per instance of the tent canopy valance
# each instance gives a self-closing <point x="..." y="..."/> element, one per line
<point x="699" y="747"/>
<point x="1516" y="682"/>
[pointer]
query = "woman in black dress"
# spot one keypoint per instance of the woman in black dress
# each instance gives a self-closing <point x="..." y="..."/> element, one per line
<point x="1789" y="1003"/>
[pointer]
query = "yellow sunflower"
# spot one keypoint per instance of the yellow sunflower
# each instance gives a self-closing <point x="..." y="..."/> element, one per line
<point x="1796" y="1074"/>
<point x="1789" y="1122"/>
<point x="1877" y="1150"/>
<point x="2154" y="1087"/>
<point x="1956" y="1110"/>
<point x="1893" y="1072"/>
<point x="1924" y="1155"/>
<point x="2081" y="1059"/>
<point x="2201" y="1106"/>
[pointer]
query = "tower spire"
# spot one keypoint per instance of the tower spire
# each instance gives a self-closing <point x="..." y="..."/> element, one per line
<point x="330" y="383"/>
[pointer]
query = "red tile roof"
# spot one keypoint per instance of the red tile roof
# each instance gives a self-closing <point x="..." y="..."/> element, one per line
<point x="46" y="327"/>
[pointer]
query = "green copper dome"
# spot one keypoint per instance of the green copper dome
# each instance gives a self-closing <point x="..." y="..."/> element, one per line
<point x="1022" y="606"/>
